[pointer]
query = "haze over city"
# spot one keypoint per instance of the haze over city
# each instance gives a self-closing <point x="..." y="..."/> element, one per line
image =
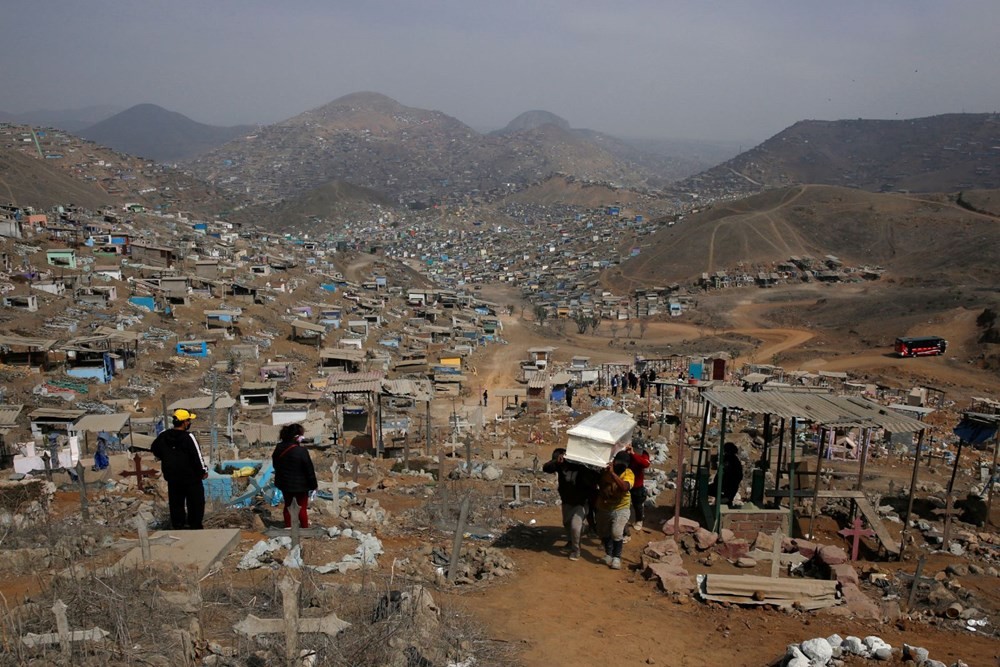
<point x="706" y="70"/>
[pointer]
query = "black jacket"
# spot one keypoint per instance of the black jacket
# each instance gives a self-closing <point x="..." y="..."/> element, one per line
<point x="179" y="456"/>
<point x="576" y="482"/>
<point x="293" y="468"/>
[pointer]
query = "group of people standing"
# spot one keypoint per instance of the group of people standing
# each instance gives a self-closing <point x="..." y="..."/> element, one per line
<point x="603" y="499"/>
<point x="629" y="381"/>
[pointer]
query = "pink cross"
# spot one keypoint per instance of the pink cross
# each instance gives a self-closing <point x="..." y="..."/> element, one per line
<point x="857" y="532"/>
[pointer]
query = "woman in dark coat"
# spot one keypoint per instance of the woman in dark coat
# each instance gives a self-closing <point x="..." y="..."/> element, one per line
<point x="294" y="474"/>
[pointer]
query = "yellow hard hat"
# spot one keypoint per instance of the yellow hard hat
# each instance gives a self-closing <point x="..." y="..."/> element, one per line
<point x="183" y="415"/>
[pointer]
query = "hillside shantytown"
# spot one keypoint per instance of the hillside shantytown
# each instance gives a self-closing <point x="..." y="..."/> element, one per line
<point x="801" y="387"/>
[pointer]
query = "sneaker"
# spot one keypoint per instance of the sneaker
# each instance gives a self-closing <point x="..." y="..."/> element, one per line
<point x="574" y="555"/>
<point x="608" y="559"/>
<point x="626" y="539"/>
<point x="637" y="525"/>
<point x="616" y="563"/>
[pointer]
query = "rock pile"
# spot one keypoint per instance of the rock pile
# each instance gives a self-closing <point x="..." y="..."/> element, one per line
<point x="477" y="564"/>
<point x="836" y="651"/>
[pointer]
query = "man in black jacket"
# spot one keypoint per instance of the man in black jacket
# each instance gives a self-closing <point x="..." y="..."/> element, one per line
<point x="184" y="470"/>
<point x="577" y="483"/>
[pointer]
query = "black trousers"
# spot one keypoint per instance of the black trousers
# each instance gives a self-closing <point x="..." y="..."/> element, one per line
<point x="638" y="502"/>
<point x="187" y="504"/>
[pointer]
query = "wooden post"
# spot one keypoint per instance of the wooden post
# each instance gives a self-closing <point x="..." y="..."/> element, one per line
<point x="335" y="471"/>
<point x="62" y="628"/>
<point x="993" y="474"/>
<point x="357" y="469"/>
<point x="719" y="471"/>
<point x="140" y="526"/>
<point x="819" y="466"/>
<point x="791" y="482"/>
<point x="290" y="606"/>
<point x="949" y="498"/>
<point x="780" y="457"/>
<point x="776" y="540"/>
<point x="916" y="575"/>
<point x="81" y="480"/>
<point x="913" y="490"/>
<point x="679" y="491"/>
<point x="456" y="543"/>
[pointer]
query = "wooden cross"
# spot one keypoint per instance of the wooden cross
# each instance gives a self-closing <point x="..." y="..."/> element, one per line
<point x="140" y="473"/>
<point x="84" y="506"/>
<point x="949" y="511"/>
<point x="291" y="625"/>
<point x="63" y="636"/>
<point x="857" y="532"/>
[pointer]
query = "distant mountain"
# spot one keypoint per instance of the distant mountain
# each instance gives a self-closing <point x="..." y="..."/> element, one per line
<point x="150" y="131"/>
<point x="70" y="120"/>
<point x="411" y="154"/>
<point x="935" y="154"/>
<point x="530" y="120"/>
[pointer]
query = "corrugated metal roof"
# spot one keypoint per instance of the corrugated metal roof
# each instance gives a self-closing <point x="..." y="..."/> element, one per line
<point x="826" y="409"/>
<point x="111" y="423"/>
<point x="52" y="413"/>
<point x="222" y="402"/>
<point x="9" y="414"/>
<point x="356" y="387"/>
<point x="42" y="344"/>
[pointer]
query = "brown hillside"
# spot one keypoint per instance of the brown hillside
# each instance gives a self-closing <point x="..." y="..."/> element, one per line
<point x="921" y="239"/>
<point x="943" y="153"/>
<point x="33" y="181"/>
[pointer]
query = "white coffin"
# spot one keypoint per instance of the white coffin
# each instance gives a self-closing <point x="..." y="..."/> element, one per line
<point x="598" y="438"/>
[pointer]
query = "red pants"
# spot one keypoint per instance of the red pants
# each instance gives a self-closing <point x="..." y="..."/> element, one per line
<point x="303" y="500"/>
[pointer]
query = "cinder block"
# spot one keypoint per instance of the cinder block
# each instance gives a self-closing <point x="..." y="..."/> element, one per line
<point x="518" y="492"/>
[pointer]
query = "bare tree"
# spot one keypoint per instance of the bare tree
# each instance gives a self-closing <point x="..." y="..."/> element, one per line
<point x="595" y="324"/>
<point x="541" y="314"/>
<point x="643" y="325"/>
<point x="628" y="327"/>
<point x="582" y="323"/>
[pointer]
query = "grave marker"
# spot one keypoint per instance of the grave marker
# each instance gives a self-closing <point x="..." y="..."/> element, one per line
<point x="949" y="511"/>
<point x="63" y="635"/>
<point x="456" y="544"/>
<point x="140" y="473"/>
<point x="917" y="578"/>
<point x="776" y="556"/>
<point x="857" y="532"/>
<point x="290" y="624"/>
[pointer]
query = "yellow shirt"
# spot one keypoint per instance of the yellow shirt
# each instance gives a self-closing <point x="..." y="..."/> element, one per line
<point x="609" y="496"/>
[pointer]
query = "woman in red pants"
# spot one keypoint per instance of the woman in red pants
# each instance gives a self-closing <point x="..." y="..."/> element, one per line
<point x="294" y="474"/>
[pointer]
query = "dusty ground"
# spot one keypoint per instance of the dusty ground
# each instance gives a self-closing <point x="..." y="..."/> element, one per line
<point x="564" y="612"/>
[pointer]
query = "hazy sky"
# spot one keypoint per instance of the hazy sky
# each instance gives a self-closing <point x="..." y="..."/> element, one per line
<point x="737" y="70"/>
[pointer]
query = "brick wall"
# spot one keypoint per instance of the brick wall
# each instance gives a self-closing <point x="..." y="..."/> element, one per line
<point x="747" y="523"/>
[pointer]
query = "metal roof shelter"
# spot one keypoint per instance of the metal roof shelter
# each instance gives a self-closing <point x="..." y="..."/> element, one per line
<point x="823" y="409"/>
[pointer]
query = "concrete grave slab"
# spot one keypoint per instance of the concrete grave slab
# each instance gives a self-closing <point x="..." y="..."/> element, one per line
<point x="190" y="548"/>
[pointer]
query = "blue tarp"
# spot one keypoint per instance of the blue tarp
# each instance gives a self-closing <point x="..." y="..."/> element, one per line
<point x="975" y="432"/>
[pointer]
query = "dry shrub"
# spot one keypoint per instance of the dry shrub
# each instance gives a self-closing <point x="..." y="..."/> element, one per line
<point x="385" y="630"/>
<point x="126" y="602"/>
